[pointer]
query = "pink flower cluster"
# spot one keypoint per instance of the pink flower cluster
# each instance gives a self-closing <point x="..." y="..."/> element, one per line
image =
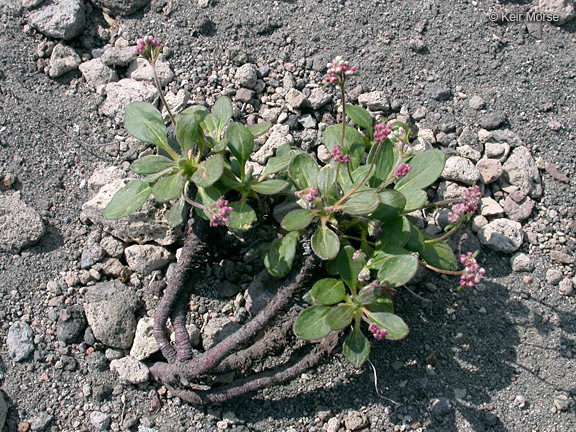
<point x="310" y="194"/>
<point x="381" y="132"/>
<point x="364" y="275"/>
<point x="374" y="228"/>
<point x="149" y="48"/>
<point x="337" y="156"/>
<point x="338" y="70"/>
<point x="472" y="273"/>
<point x="402" y="170"/>
<point x="379" y="334"/>
<point x="469" y="206"/>
<point x="358" y="256"/>
<point x="220" y="213"/>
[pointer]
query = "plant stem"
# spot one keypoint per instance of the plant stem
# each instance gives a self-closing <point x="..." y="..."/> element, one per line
<point x="443" y="237"/>
<point x="157" y="82"/>
<point x="349" y="237"/>
<point x="437" y="270"/>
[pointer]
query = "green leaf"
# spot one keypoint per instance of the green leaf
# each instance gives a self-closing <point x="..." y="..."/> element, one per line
<point x="198" y="111"/>
<point x="353" y="142"/>
<point x="152" y="164"/>
<point x="415" y="199"/>
<point x="240" y="142"/>
<point x="360" y="116"/>
<point x="361" y="203"/>
<point x="145" y="123"/>
<point x="187" y="132"/>
<point x="397" y="270"/>
<point x="169" y="187"/>
<point x="176" y="214"/>
<point x="384" y="162"/>
<point x="394" y="232"/>
<point x="222" y="112"/>
<point x="206" y="197"/>
<point x="270" y="187"/>
<point x="259" y="128"/>
<point x="209" y="171"/>
<point x="280" y="256"/>
<point x="426" y="168"/>
<point x="303" y="171"/>
<point x="242" y="217"/>
<point x="277" y="163"/>
<point x="328" y="291"/>
<point x="325" y="243"/>
<point x="416" y="241"/>
<point x="439" y="255"/>
<point x="326" y="181"/>
<point x="297" y="220"/>
<point x="128" y="199"/>
<point x="391" y="205"/>
<point x="311" y="323"/>
<point x="393" y="324"/>
<point x="369" y="294"/>
<point x="382" y="304"/>
<point x="340" y="317"/>
<point x="346" y="267"/>
<point x="356" y="347"/>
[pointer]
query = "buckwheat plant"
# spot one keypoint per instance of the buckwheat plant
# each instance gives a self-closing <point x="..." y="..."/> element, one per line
<point x="355" y="211"/>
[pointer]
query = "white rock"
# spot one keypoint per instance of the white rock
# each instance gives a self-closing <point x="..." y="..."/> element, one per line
<point x="502" y="235"/>
<point x="216" y="330"/>
<point x="468" y="152"/>
<point x="104" y="175"/>
<point x="100" y="420"/>
<point x="144" y="343"/>
<point x="130" y="370"/>
<point x="374" y="101"/>
<point x="318" y="98"/>
<point x="295" y="99"/>
<point x="177" y="102"/>
<point x="140" y="70"/>
<point x="449" y="190"/>
<point x="497" y="150"/>
<point x="565" y="287"/>
<point x="118" y="56"/>
<point x="461" y="170"/>
<point x="20" y="225"/>
<point x="146" y="258"/>
<point x="63" y="59"/>
<point x="427" y="135"/>
<point x="120" y="94"/>
<point x="563" y="8"/>
<point x="64" y="19"/>
<point x="520" y="170"/>
<point x="520" y="262"/>
<point x="96" y="73"/>
<point x="246" y="76"/>
<point x="478" y="222"/>
<point x="489" y="207"/>
<point x="276" y="139"/>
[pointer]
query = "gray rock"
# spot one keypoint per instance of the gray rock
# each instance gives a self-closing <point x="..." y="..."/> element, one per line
<point x="520" y="262"/>
<point x="323" y="154"/>
<point x="441" y="93"/>
<point x="118" y="56"/>
<point x="3" y="411"/>
<point x="121" y="7"/>
<point x="554" y="276"/>
<point x="63" y="59"/>
<point x="295" y="99"/>
<point x="100" y="420"/>
<point x="441" y="407"/>
<point x="227" y="289"/>
<point x="216" y="330"/>
<point x="96" y="73"/>
<point x="318" y="98"/>
<point x="130" y="370"/>
<point x="333" y="424"/>
<point x="354" y="420"/>
<point x="246" y="76"/>
<point x="104" y="175"/>
<point x="144" y="343"/>
<point x="495" y="150"/>
<point x="71" y="324"/>
<point x="469" y="138"/>
<point x="502" y="235"/>
<point x="307" y="121"/>
<point x="562" y="402"/>
<point x="476" y="103"/>
<point x="563" y="8"/>
<point x="469" y="153"/>
<point x="518" y="209"/>
<point x="490" y="170"/>
<point x="11" y="7"/>
<point x="122" y="93"/>
<point x="375" y="101"/>
<point x="113" y="247"/>
<point x="20" y="225"/>
<point x="260" y="291"/>
<point x="177" y="102"/>
<point x="110" y="308"/>
<point x="275" y="140"/>
<point x="493" y="120"/>
<point x="461" y="170"/>
<point x="113" y="267"/>
<point x="506" y="136"/>
<point x="147" y="258"/>
<point x="244" y="95"/>
<point x="20" y="341"/>
<point x="562" y="257"/>
<point x="28" y="4"/>
<point x="449" y="190"/>
<point x="140" y="70"/>
<point x="478" y="222"/>
<point x="520" y="170"/>
<point x="144" y="225"/>
<point x="40" y="422"/>
<point x="489" y="207"/>
<point x="566" y="287"/>
<point x="63" y="19"/>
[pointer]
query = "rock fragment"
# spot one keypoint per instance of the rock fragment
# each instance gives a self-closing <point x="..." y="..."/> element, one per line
<point x="140" y="70"/>
<point x="121" y="7"/>
<point x="64" y="19"/>
<point x="461" y="170"/>
<point x="20" y="225"/>
<point x="564" y="9"/>
<point x="520" y="262"/>
<point x="63" y="59"/>
<point x="274" y="141"/>
<point x="147" y="258"/>
<point x="119" y="56"/>
<point x="130" y="370"/>
<point x="502" y="235"/>
<point x="96" y="73"/>
<point x="20" y="341"/>
<point x="520" y="170"/>
<point x="246" y="76"/>
<point x="490" y="170"/>
<point x="216" y="330"/>
<point x="120" y="94"/>
<point x="375" y="101"/>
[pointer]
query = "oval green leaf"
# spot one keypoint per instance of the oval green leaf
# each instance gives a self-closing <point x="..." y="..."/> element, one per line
<point x="270" y="187"/>
<point x="426" y="168"/>
<point x="297" y="219"/>
<point x="277" y="163"/>
<point x="209" y="171"/>
<point x="176" y="213"/>
<point x="303" y="171"/>
<point x="242" y="217"/>
<point x="360" y="116"/>
<point x="391" y="205"/>
<point x="356" y="347"/>
<point x="128" y="199"/>
<point x="397" y="270"/>
<point x="145" y="123"/>
<point x="439" y="255"/>
<point x="340" y="317"/>
<point x="361" y="203"/>
<point x="280" y="256"/>
<point x="415" y="199"/>
<point x="151" y="164"/>
<point x="328" y="291"/>
<point x="169" y="187"/>
<point x="382" y="304"/>
<point x="346" y="267"/>
<point x="222" y="112"/>
<point x="259" y="128"/>
<point x="384" y="162"/>
<point x="311" y="323"/>
<point x="240" y="142"/>
<point x="393" y="324"/>
<point x="326" y="181"/>
<point x="325" y="243"/>
<point x="187" y="132"/>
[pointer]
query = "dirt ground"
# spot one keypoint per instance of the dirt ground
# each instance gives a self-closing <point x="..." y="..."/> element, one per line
<point x="503" y="354"/>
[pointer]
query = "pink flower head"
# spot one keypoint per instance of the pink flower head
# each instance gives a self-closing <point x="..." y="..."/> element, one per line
<point x="148" y="48"/>
<point x="472" y="273"/>
<point x="364" y="275"/>
<point x="374" y="228"/>
<point x="338" y="70"/>
<point x="220" y="213"/>
<point x="403" y="169"/>
<point x="358" y="256"/>
<point x="379" y="334"/>
<point x="310" y="194"/>
<point x="381" y="132"/>
<point x="468" y="207"/>
<point x="337" y="156"/>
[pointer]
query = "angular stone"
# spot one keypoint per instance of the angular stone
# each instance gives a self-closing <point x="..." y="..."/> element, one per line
<point x="495" y="150"/>
<point x="96" y="73"/>
<point x="521" y="170"/>
<point x="216" y="330"/>
<point x="100" y="420"/>
<point x="562" y="257"/>
<point x="63" y="59"/>
<point x="64" y="19"/>
<point x="375" y="101"/>
<point x="468" y="152"/>
<point x="355" y="420"/>
<point x="318" y="98"/>
<point x="295" y="99"/>
<point x="20" y="341"/>
<point x="476" y="103"/>
<point x="441" y="93"/>
<point x="554" y="276"/>
<point x="502" y="235"/>
<point x="147" y="258"/>
<point x="148" y="224"/>
<point x="244" y="95"/>
<point x="520" y="262"/>
<point x="461" y="170"/>
<point x="449" y="190"/>
<point x="507" y="136"/>
<point x="144" y="343"/>
<point x="564" y="9"/>
<point x="104" y="175"/>
<point x="566" y="287"/>
<point x="122" y="93"/>
<point x="118" y="56"/>
<point x="489" y="207"/>
<point x="110" y="309"/>
<point x="121" y="7"/>
<point x="140" y="70"/>
<point x="71" y="324"/>
<point x="20" y="225"/>
<point x="490" y="170"/>
<point x="441" y="407"/>
<point x="275" y="140"/>
<point x="246" y="76"/>
<point x="518" y="211"/>
<point x="492" y="121"/>
<point x="130" y="370"/>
